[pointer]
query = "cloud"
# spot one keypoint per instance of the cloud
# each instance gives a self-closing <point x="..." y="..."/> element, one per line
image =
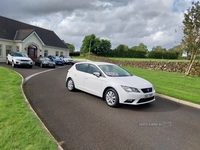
<point x="128" y="22"/>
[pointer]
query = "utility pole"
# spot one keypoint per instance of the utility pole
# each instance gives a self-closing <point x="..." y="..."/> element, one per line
<point x="89" y="48"/>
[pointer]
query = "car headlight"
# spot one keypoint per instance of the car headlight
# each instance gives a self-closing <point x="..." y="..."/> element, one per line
<point x="130" y="89"/>
<point x="44" y="62"/>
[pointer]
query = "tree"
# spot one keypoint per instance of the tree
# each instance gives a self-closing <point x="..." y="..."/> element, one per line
<point x="70" y="47"/>
<point x="157" y="52"/>
<point x="139" y="51"/>
<point x="97" y="46"/>
<point x="120" y="51"/>
<point x="87" y="44"/>
<point x="176" y="52"/>
<point x="191" y="30"/>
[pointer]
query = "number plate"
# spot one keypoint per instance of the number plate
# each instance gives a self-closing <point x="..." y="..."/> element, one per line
<point x="148" y="95"/>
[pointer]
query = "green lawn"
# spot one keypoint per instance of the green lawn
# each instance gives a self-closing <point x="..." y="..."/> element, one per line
<point x="19" y="127"/>
<point x="171" y="84"/>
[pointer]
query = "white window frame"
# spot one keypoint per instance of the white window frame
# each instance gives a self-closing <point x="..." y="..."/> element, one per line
<point x="61" y="53"/>
<point x="1" y="50"/>
<point x="17" y="48"/>
<point x="45" y="53"/>
<point x="57" y="53"/>
<point x="8" y="49"/>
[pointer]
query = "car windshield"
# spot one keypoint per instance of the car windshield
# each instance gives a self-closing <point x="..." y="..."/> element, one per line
<point x="24" y="55"/>
<point x="56" y="57"/>
<point x="114" y="71"/>
<point x="45" y="58"/>
<point x="20" y="55"/>
<point x="66" y="56"/>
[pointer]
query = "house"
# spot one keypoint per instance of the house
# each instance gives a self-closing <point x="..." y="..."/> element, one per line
<point x="33" y="40"/>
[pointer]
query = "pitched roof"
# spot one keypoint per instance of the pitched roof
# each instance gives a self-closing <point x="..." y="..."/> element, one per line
<point x="22" y="34"/>
<point x="14" y="30"/>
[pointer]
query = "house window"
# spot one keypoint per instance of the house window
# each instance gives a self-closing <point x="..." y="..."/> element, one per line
<point x="61" y="53"/>
<point x="8" y="49"/>
<point x="17" y="48"/>
<point x="45" y="53"/>
<point x="57" y="53"/>
<point x="0" y="50"/>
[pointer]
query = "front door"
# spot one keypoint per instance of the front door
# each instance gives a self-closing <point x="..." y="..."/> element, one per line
<point x="32" y="52"/>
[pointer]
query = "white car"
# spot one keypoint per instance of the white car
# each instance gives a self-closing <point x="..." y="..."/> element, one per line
<point x="67" y="59"/>
<point x="19" y="59"/>
<point x="110" y="82"/>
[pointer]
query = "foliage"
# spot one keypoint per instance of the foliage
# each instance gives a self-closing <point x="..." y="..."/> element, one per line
<point x="74" y="53"/>
<point x="102" y="47"/>
<point x="70" y="47"/>
<point x="191" y="30"/>
<point x="97" y="46"/>
<point x="139" y="51"/>
<point x="120" y="51"/>
<point x="161" y="53"/>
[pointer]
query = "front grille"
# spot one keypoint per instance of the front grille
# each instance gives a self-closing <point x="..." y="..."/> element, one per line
<point x="25" y="60"/>
<point x="147" y="90"/>
<point x="142" y="100"/>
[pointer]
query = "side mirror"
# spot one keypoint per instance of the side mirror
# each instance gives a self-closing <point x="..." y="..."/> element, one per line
<point x="97" y="74"/>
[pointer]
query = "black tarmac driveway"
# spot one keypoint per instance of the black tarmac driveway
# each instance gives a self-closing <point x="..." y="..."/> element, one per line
<point x="85" y="122"/>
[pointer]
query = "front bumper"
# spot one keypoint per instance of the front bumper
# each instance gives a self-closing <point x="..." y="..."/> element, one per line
<point x="59" y="63"/>
<point x="23" y="63"/>
<point x="69" y="62"/>
<point x="133" y="98"/>
<point x="49" y="65"/>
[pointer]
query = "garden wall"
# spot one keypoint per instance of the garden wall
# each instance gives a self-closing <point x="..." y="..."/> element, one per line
<point x="179" y="67"/>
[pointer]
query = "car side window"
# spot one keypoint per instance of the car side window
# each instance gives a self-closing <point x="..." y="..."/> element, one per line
<point x="82" y="67"/>
<point x="92" y="69"/>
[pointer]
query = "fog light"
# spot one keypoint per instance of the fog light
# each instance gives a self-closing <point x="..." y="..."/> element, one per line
<point x="129" y="100"/>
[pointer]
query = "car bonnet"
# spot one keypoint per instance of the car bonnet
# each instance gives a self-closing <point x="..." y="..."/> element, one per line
<point x="22" y="58"/>
<point x="132" y="81"/>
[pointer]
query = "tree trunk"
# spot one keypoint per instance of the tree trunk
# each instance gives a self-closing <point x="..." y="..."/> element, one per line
<point x="193" y="57"/>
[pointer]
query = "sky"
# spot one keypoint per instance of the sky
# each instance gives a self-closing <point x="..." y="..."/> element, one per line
<point x="129" y="22"/>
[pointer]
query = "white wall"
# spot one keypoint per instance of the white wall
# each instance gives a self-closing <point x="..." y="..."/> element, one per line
<point x="23" y="46"/>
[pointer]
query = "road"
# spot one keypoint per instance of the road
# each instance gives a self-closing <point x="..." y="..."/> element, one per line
<point x="85" y="122"/>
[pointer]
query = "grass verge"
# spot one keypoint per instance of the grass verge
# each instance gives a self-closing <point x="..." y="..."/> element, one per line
<point x="19" y="128"/>
<point x="171" y="84"/>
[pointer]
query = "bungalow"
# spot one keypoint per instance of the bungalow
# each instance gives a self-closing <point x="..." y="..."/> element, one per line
<point x="35" y="41"/>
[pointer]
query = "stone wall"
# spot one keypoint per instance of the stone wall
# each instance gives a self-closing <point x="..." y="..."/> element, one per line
<point x="179" y="67"/>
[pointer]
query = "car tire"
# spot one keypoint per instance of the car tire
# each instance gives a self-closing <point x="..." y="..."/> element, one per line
<point x="41" y="65"/>
<point x="70" y="84"/>
<point x="111" y="97"/>
<point x="13" y="64"/>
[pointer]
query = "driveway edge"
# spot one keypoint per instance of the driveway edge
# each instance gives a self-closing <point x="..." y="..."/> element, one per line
<point x="180" y="101"/>
<point x="32" y="110"/>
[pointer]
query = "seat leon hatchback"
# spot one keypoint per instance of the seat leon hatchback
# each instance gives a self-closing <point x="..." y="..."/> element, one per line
<point x="110" y="82"/>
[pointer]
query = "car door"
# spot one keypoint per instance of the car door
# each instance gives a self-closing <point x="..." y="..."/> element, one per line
<point x="79" y="76"/>
<point x="93" y="83"/>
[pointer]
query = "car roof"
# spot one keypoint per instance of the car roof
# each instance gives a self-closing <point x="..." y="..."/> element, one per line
<point x="95" y="63"/>
<point x="18" y="52"/>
